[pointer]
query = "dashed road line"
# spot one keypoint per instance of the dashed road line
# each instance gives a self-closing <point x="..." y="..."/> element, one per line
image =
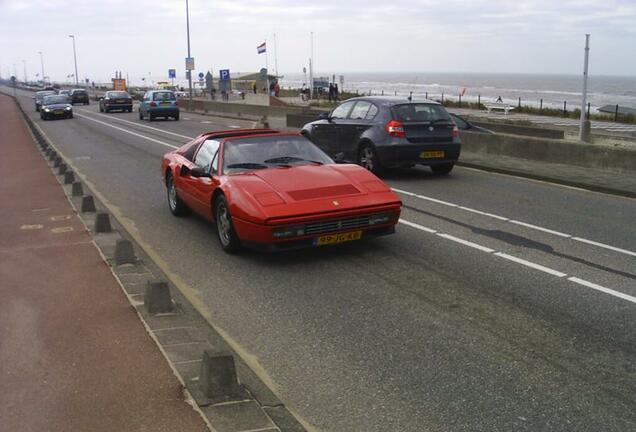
<point x="516" y="222"/>
<point x="128" y="131"/>
<point x="521" y="261"/>
<point x="137" y="124"/>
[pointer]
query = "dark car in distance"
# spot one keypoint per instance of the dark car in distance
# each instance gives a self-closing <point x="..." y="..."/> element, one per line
<point x="56" y="106"/>
<point x="388" y="132"/>
<point x="39" y="96"/>
<point x="79" y="96"/>
<point x="465" y="125"/>
<point x="116" y="101"/>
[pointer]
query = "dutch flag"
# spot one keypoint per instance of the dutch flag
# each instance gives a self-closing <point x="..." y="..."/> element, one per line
<point x="261" y="48"/>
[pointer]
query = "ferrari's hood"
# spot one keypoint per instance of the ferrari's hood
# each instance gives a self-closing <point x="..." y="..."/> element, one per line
<point x="313" y="189"/>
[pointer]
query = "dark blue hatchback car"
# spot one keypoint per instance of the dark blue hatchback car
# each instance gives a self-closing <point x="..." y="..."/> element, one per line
<point x="388" y="132"/>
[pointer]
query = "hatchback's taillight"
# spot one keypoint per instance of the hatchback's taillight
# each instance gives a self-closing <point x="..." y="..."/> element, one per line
<point x="153" y="104"/>
<point x="395" y="129"/>
<point x="455" y="133"/>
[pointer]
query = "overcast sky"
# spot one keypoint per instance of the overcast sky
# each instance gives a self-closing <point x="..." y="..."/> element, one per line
<point x="149" y="36"/>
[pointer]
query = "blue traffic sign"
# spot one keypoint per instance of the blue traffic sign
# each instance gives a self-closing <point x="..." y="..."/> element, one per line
<point x="224" y="75"/>
<point x="201" y="75"/>
<point x="172" y="73"/>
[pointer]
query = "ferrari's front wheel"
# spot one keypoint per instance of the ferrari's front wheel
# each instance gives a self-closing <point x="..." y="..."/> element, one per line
<point x="177" y="206"/>
<point x="224" y="228"/>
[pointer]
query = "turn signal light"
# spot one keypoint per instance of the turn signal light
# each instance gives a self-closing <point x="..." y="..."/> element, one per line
<point x="153" y="104"/>
<point x="395" y="129"/>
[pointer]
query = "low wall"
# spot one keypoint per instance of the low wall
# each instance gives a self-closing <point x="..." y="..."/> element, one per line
<point x="539" y="132"/>
<point x="242" y="109"/>
<point x="550" y="150"/>
<point x="298" y="120"/>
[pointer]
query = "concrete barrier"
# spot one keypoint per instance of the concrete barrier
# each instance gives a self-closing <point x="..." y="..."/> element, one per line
<point x="551" y="151"/>
<point x="240" y="110"/>
<point x="538" y="132"/>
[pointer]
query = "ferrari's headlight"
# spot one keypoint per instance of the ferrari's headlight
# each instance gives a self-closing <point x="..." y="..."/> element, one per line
<point x="379" y="219"/>
<point x="287" y="232"/>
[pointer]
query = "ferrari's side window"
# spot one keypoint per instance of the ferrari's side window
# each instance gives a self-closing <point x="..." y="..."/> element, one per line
<point x="189" y="153"/>
<point x="207" y="154"/>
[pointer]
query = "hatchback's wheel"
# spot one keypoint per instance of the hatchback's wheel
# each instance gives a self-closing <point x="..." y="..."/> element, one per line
<point x="141" y="115"/>
<point x="101" y="109"/>
<point x="176" y="117"/>
<point x="368" y="158"/>
<point x="442" y="169"/>
<point x="151" y="117"/>
<point x="224" y="228"/>
<point x="177" y="207"/>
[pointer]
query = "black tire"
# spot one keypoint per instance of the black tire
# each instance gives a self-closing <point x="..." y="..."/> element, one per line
<point x="100" y="108"/>
<point x="442" y="169"/>
<point x="70" y="115"/>
<point x="176" y="117"/>
<point x="87" y="103"/>
<point x="141" y="115"/>
<point x="230" y="243"/>
<point x="42" y="116"/>
<point x="151" y="117"/>
<point x="368" y="158"/>
<point x="175" y="204"/>
<point x="106" y="110"/>
<point x="129" y="109"/>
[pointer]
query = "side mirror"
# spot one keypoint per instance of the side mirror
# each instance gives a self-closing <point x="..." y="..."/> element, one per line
<point x="324" y="116"/>
<point x="199" y="172"/>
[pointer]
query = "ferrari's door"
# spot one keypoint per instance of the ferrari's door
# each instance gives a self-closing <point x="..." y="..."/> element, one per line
<point x="203" y="180"/>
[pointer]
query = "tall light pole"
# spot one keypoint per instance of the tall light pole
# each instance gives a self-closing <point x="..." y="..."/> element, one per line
<point x="75" y="59"/>
<point x="189" y="71"/>
<point x="25" y="74"/>
<point x="42" y="63"/>
<point x="584" y="129"/>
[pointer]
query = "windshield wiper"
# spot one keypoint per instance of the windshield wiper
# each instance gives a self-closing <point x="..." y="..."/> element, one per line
<point x="283" y="159"/>
<point x="248" y="165"/>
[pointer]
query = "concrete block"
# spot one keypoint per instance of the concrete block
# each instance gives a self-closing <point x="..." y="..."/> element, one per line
<point x="61" y="169"/>
<point x="53" y="156"/>
<point x="88" y="204"/>
<point x="102" y="223"/>
<point x="124" y="252"/>
<point x="218" y="380"/>
<point x="57" y="162"/>
<point x="69" y="177"/>
<point x="78" y="189"/>
<point x="157" y="298"/>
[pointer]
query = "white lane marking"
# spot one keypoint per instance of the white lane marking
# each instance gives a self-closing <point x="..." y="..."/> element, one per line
<point x="427" y="198"/>
<point x="531" y="264"/>
<point x="525" y="224"/>
<point x="417" y="226"/>
<point x="127" y="131"/>
<point x="206" y="122"/>
<point x="526" y="263"/>
<point x="137" y="124"/>
<point x="483" y="213"/>
<point x="234" y="126"/>
<point x="606" y="246"/>
<point x="466" y="242"/>
<point x="538" y="228"/>
<point x="603" y="289"/>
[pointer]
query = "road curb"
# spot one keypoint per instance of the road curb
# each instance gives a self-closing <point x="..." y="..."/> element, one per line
<point x="182" y="334"/>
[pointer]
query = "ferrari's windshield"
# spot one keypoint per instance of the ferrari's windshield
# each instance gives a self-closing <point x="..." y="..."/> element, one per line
<point x="270" y="152"/>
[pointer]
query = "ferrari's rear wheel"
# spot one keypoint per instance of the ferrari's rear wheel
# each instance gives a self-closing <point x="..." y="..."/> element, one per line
<point x="225" y="230"/>
<point x="177" y="206"/>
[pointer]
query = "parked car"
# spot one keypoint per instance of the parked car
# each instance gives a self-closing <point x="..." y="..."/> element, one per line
<point x="272" y="191"/>
<point x="465" y="125"/>
<point x="40" y="95"/>
<point x="64" y="92"/>
<point x="116" y="101"/>
<point x="56" y="106"/>
<point x="79" y="96"/>
<point x="159" y="103"/>
<point x="387" y="132"/>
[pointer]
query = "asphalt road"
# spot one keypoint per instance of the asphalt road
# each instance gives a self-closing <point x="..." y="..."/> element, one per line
<point x="500" y="304"/>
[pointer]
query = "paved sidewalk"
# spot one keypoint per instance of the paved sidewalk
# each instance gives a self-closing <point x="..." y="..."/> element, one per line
<point x="74" y="355"/>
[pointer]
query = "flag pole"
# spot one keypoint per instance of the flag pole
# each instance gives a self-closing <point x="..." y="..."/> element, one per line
<point x="275" y="56"/>
<point x="266" y="67"/>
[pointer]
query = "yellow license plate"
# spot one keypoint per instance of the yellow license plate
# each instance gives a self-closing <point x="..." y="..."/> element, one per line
<point x="58" y="112"/>
<point x="338" y="238"/>
<point x="432" y="154"/>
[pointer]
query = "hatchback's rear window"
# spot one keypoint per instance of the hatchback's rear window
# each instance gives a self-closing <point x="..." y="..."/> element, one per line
<point x="419" y="112"/>
<point x="164" y="96"/>
<point x="121" y="95"/>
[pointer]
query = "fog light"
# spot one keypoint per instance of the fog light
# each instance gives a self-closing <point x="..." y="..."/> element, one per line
<point x="289" y="232"/>
<point x="379" y="219"/>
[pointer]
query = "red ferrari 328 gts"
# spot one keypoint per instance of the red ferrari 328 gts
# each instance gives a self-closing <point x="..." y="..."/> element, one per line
<point x="271" y="190"/>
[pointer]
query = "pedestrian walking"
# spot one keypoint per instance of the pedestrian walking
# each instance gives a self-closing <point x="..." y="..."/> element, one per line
<point x="336" y="92"/>
<point x="331" y="93"/>
<point x="254" y="87"/>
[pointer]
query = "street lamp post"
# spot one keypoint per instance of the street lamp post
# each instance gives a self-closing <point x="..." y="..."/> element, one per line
<point x="25" y="74"/>
<point x="190" y="71"/>
<point x="75" y="60"/>
<point x="584" y="128"/>
<point x="42" y="63"/>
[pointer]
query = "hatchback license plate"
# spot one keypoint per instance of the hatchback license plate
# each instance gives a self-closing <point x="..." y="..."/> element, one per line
<point x="432" y="154"/>
<point x="165" y="103"/>
<point x="338" y="238"/>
